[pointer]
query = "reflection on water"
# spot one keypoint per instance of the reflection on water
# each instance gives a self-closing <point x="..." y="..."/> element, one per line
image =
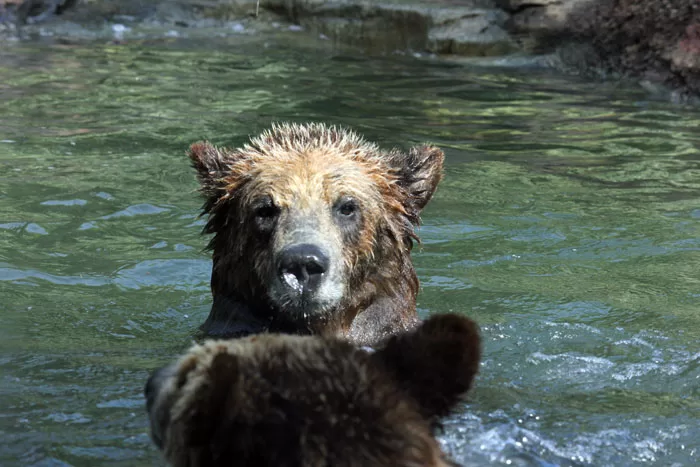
<point x="568" y="225"/>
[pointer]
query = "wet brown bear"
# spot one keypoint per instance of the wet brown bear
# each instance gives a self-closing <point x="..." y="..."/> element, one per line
<point x="313" y="228"/>
<point x="307" y="401"/>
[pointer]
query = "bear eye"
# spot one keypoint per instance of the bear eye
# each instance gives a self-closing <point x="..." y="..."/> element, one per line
<point x="347" y="207"/>
<point x="265" y="211"/>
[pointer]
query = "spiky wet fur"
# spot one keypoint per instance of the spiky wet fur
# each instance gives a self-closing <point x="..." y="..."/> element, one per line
<point x="309" y="167"/>
<point x="293" y="401"/>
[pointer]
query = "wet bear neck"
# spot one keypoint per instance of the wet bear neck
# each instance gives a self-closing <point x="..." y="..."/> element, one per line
<point x="234" y="316"/>
<point x="367" y="317"/>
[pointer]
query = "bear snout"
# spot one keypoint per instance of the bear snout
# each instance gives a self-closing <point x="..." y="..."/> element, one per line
<point x="307" y="277"/>
<point x="302" y="268"/>
<point x="158" y="414"/>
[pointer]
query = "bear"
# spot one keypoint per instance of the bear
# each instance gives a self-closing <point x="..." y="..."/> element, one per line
<point x="313" y="228"/>
<point x="288" y="400"/>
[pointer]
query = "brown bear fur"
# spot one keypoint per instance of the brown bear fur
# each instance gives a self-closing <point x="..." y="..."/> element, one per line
<point x="301" y="401"/>
<point x="328" y="188"/>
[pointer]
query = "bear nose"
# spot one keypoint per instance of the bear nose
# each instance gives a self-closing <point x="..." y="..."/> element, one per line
<point x="302" y="267"/>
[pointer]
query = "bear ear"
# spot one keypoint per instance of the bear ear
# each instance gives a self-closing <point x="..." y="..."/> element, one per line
<point x="211" y="166"/>
<point x="419" y="173"/>
<point x="436" y="363"/>
<point x="187" y="401"/>
<point x="210" y="395"/>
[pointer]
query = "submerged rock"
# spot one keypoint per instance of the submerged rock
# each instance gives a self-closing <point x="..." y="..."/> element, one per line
<point x="656" y="42"/>
<point x="458" y="27"/>
<point x="32" y="11"/>
<point x="540" y="16"/>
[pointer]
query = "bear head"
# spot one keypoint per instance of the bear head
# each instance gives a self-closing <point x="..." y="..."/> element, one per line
<point x="302" y="401"/>
<point x="312" y="226"/>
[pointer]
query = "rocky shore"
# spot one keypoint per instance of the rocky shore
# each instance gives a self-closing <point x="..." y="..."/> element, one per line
<point x="655" y="42"/>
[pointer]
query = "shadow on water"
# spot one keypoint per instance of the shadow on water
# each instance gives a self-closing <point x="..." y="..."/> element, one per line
<point x="567" y="225"/>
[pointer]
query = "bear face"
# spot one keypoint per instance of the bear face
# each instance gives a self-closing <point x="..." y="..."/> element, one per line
<point x="298" y="401"/>
<point x="312" y="232"/>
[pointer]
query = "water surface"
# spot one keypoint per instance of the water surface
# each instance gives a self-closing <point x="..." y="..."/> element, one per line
<point x="568" y="225"/>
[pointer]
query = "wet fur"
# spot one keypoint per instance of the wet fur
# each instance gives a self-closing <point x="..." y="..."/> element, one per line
<point x="297" y="401"/>
<point x="307" y="168"/>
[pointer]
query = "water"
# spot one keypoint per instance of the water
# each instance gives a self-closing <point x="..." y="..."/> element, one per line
<point x="568" y="225"/>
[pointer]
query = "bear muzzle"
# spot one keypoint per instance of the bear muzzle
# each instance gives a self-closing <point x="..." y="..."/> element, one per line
<point x="306" y="278"/>
<point x="302" y="269"/>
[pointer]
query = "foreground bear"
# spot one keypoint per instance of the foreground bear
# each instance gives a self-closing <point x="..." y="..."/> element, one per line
<point x="303" y="401"/>
<point x="313" y="228"/>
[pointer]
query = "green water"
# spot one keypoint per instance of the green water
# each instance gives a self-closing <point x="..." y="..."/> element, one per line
<point x="568" y="225"/>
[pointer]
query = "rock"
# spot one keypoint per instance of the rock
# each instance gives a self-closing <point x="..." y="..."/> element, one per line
<point x="475" y="33"/>
<point x="32" y="11"/>
<point x="475" y="27"/>
<point x="686" y="54"/>
<point x="654" y="41"/>
<point x="540" y="16"/>
<point x="224" y="10"/>
<point x="658" y="40"/>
